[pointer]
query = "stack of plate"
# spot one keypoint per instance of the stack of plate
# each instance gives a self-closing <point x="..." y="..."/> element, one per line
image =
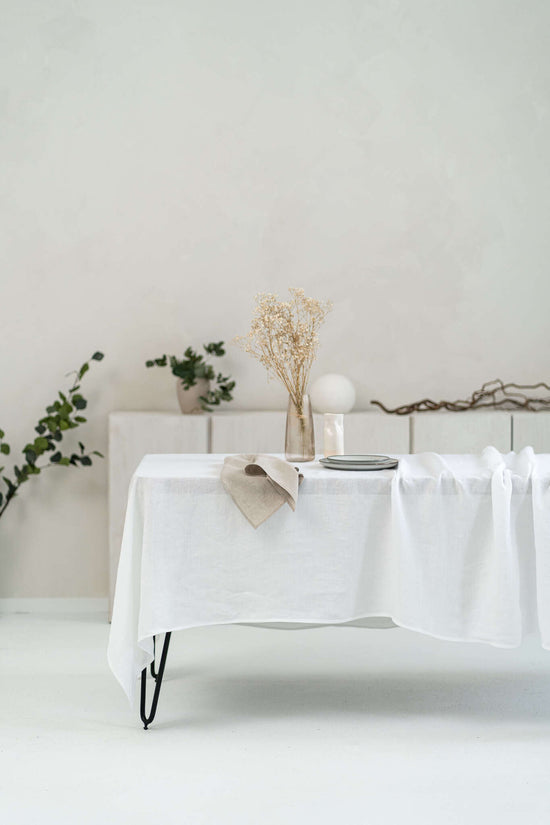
<point x="360" y="462"/>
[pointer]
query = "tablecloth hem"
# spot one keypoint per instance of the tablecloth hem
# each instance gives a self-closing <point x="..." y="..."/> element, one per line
<point x="503" y="644"/>
<point x="337" y="622"/>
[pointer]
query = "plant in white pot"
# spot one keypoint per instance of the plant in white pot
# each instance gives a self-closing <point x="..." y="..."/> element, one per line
<point x="196" y="377"/>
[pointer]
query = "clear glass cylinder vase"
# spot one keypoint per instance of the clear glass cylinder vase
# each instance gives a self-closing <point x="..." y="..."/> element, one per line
<point x="300" y="436"/>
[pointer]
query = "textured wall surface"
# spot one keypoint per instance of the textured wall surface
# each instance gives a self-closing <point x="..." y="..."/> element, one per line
<point x="162" y="162"/>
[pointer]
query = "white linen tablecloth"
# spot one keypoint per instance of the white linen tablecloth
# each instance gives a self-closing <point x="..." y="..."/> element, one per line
<point x="457" y="547"/>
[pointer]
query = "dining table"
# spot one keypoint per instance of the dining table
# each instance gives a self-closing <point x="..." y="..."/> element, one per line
<point x="453" y="546"/>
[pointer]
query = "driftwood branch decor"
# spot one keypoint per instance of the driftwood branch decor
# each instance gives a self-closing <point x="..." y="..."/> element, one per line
<point x="494" y="394"/>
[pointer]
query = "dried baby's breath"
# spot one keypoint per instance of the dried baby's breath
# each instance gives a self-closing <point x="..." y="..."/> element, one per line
<point x="284" y="338"/>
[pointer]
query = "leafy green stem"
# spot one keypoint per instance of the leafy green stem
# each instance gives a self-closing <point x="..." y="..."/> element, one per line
<point x="64" y="414"/>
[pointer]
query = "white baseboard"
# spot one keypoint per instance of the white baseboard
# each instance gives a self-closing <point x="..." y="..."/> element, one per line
<point x="72" y="605"/>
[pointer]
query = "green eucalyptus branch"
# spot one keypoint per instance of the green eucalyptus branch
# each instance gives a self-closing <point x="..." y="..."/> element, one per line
<point x="62" y="415"/>
<point x="193" y="366"/>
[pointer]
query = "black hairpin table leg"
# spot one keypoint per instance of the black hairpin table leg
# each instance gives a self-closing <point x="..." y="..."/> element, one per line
<point x="147" y="719"/>
<point x="154" y="673"/>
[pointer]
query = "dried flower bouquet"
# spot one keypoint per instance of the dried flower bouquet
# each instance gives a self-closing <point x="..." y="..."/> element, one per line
<point x="284" y="338"/>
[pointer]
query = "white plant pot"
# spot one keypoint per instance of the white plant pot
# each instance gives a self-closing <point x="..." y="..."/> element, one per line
<point x="189" y="399"/>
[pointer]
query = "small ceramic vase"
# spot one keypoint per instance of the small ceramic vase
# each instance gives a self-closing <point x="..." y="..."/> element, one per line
<point x="189" y="400"/>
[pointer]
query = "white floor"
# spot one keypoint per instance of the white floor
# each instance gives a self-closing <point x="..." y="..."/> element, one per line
<point x="346" y="726"/>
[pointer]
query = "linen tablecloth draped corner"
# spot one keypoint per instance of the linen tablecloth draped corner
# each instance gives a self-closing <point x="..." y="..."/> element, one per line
<point x="457" y="547"/>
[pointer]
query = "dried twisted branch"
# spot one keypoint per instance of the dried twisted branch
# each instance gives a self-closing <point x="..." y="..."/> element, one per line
<point x="494" y="394"/>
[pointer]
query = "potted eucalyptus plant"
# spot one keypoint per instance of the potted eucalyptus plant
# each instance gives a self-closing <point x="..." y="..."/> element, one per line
<point x="199" y="386"/>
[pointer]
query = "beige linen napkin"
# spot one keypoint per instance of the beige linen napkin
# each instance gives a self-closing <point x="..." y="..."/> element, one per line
<point x="260" y="484"/>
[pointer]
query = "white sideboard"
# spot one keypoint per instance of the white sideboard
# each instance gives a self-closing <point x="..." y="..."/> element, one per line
<point x="134" y="434"/>
<point x="460" y="432"/>
<point x="250" y="432"/>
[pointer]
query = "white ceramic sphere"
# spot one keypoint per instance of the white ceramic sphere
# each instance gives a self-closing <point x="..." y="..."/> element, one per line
<point x="332" y="393"/>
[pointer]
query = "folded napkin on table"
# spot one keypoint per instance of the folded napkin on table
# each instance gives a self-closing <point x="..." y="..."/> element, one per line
<point x="260" y="485"/>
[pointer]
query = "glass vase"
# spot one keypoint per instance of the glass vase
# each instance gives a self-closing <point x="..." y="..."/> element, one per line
<point x="300" y="437"/>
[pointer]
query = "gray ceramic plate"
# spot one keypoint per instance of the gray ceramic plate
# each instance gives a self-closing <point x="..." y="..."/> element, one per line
<point x="357" y="459"/>
<point x="388" y="464"/>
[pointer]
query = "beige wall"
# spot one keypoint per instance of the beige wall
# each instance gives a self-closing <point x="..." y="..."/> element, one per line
<point x="164" y="161"/>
